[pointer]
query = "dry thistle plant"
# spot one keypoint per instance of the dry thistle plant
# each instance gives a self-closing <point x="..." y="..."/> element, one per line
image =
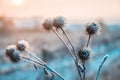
<point x="20" y="51"/>
<point x="83" y="54"/>
<point x="15" y="52"/>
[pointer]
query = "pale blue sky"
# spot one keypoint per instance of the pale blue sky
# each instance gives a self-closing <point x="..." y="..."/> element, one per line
<point x="69" y="8"/>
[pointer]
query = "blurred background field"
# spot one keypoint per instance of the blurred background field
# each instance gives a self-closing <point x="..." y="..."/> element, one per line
<point x="16" y="23"/>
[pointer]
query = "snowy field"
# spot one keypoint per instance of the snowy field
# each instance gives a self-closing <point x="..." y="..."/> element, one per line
<point x="56" y="55"/>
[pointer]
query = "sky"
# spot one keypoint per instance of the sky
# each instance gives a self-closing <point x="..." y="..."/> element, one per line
<point x="84" y="9"/>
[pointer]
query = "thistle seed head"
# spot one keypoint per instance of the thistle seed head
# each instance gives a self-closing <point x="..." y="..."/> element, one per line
<point x="12" y="53"/>
<point x="59" y="22"/>
<point x="48" y="24"/>
<point x="22" y="45"/>
<point x="84" y="54"/>
<point x="15" y="57"/>
<point x="92" y="28"/>
<point x="10" y="49"/>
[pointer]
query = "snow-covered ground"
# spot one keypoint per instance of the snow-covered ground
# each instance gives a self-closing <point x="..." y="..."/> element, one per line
<point x="58" y="58"/>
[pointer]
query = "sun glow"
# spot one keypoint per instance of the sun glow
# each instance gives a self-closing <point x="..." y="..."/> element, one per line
<point x="17" y="2"/>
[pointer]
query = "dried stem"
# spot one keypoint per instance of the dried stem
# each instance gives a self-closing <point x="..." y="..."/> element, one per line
<point x="35" y="56"/>
<point x="100" y="67"/>
<point x="74" y="58"/>
<point x="32" y="60"/>
<point x="64" y="43"/>
<point x="78" y="69"/>
<point x="54" y="71"/>
<point x="74" y="52"/>
<point x="81" y="67"/>
<point x="45" y="65"/>
<point x="84" y="72"/>
<point x="73" y="48"/>
<point x="27" y="60"/>
<point x="88" y="40"/>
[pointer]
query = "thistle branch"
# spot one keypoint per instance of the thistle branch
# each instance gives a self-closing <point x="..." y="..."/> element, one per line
<point x="64" y="43"/>
<point x="84" y="72"/>
<point x="28" y="59"/>
<point x="100" y="67"/>
<point x="78" y="69"/>
<point x="74" y="58"/>
<point x="88" y="40"/>
<point x="32" y="54"/>
<point x="45" y="65"/>
<point x="73" y="48"/>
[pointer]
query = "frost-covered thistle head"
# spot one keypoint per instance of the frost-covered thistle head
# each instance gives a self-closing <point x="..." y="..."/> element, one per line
<point x="84" y="54"/>
<point x="48" y="24"/>
<point x="59" y="22"/>
<point x="15" y="56"/>
<point x="10" y="49"/>
<point x="93" y="28"/>
<point x="22" y="45"/>
<point x="12" y="53"/>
